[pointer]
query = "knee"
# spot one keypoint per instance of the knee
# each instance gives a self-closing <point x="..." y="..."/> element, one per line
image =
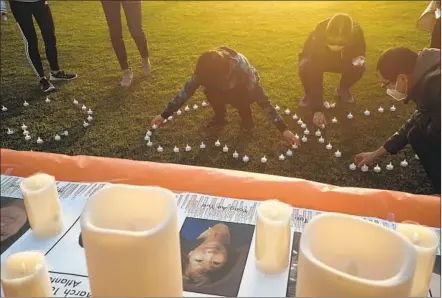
<point x="137" y="32"/>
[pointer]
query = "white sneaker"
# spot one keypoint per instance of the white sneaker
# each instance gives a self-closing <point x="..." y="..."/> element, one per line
<point x="145" y="67"/>
<point x="126" y="81"/>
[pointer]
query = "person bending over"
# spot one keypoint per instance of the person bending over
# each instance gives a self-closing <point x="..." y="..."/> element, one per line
<point x="411" y="76"/>
<point x="228" y="78"/>
<point x="336" y="45"/>
<point x="23" y="11"/>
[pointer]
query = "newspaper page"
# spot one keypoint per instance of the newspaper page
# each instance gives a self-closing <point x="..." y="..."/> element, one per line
<point x="236" y="277"/>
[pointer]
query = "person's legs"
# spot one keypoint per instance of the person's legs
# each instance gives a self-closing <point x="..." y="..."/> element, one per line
<point x="218" y="104"/>
<point x="435" y="36"/>
<point x="428" y="150"/>
<point x="350" y="75"/>
<point x="311" y="76"/>
<point x="132" y="10"/>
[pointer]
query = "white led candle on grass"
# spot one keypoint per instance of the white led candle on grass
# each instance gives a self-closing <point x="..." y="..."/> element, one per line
<point x="245" y="158"/>
<point x="327" y="105"/>
<point x="318" y="133"/>
<point x="300" y="121"/>
<point x="127" y="227"/>
<point x="263" y="159"/>
<point x="4" y="109"/>
<point x="24" y="127"/>
<point x="329" y="146"/>
<point x="39" y="140"/>
<point x="332" y="105"/>
<point x="334" y="120"/>
<point x="321" y="140"/>
<point x="187" y="109"/>
<point x="393" y="108"/>
<point x="367" y="113"/>
<point x="303" y="125"/>
<point x="217" y="143"/>
<point x="389" y="167"/>
<point x="169" y="118"/>
<point x="89" y="112"/>
<point x="416" y="156"/>
<point x="202" y="146"/>
<point x="352" y="166"/>
<point x="281" y="157"/>
<point x="25" y="103"/>
<point x="295" y="117"/>
<point x="25" y="132"/>
<point x="10" y="131"/>
<point x="42" y="205"/>
<point x="306" y="132"/>
<point x="57" y="137"/>
<point x="425" y="241"/>
<point x="89" y="118"/>
<point x="350" y="116"/>
<point x="154" y="126"/>
<point x="149" y="133"/>
<point x="404" y="163"/>
<point x="195" y="107"/>
<point x="377" y="169"/>
<point x="176" y="149"/>
<point x="27" y="137"/>
<point x="364" y="168"/>
<point x="235" y="155"/>
<point x="25" y="274"/>
<point x="66" y="133"/>
<point x="160" y="149"/>
<point x="75" y="102"/>
<point x="381" y="110"/>
<point x="149" y="144"/>
<point x="277" y="108"/>
<point x="289" y="152"/>
<point x="225" y="148"/>
<point x="84" y="108"/>
<point x="287" y="112"/>
<point x="85" y="124"/>
<point x="178" y="112"/>
<point x="294" y="146"/>
<point x="296" y="136"/>
<point x="204" y="104"/>
<point x="47" y="100"/>
<point x="338" y="154"/>
<point x="272" y="244"/>
<point x="338" y="257"/>
<point x="304" y="139"/>
<point x="188" y="148"/>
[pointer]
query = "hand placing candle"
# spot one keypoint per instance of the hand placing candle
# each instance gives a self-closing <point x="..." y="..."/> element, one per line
<point x="25" y="274"/>
<point x="42" y="205"/>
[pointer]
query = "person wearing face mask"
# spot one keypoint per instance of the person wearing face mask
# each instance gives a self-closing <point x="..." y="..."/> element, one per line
<point x="410" y="76"/>
<point x="336" y="45"/>
<point x="228" y="78"/>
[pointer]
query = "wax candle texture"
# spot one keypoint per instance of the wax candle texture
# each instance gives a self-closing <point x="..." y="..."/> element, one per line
<point x="25" y="274"/>
<point x="425" y="242"/>
<point x="272" y="245"/>
<point x="131" y="242"/>
<point x="342" y="255"/>
<point x="42" y="205"/>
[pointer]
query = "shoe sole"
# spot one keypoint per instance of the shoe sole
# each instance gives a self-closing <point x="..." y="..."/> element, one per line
<point x="54" y="79"/>
<point x="52" y="88"/>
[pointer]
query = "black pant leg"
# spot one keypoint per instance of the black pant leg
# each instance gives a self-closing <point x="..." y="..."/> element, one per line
<point x="218" y="103"/>
<point x="43" y="16"/>
<point x="132" y="10"/>
<point x="429" y="152"/>
<point x="112" y="11"/>
<point x="311" y="76"/>
<point x="435" y="36"/>
<point x="22" y="13"/>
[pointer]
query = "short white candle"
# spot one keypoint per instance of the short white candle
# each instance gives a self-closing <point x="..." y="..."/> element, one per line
<point x="170" y="118"/>
<point x="350" y="116"/>
<point x="202" y="146"/>
<point x="425" y="241"/>
<point x="318" y="133"/>
<point x="306" y="132"/>
<point x="225" y="148"/>
<point x="303" y="125"/>
<point x="146" y="138"/>
<point x="188" y="148"/>
<point x="149" y="144"/>
<point x="25" y="103"/>
<point x="329" y="146"/>
<point x="389" y="167"/>
<point x="25" y="132"/>
<point x="277" y="108"/>
<point x="300" y="121"/>
<point x="154" y="126"/>
<point x="57" y="138"/>
<point x="149" y="133"/>
<point x="85" y="124"/>
<point x="321" y="140"/>
<point x="89" y="118"/>
<point x="327" y="105"/>
<point x="272" y="245"/>
<point x="295" y="117"/>
<point x="297" y="136"/>
<point x="294" y="146"/>
<point x="25" y="274"/>
<point x="364" y="168"/>
<point x="332" y="105"/>
<point x="289" y="152"/>
<point x="139" y="221"/>
<point x="404" y="163"/>
<point x="39" y="140"/>
<point x="195" y="107"/>
<point x="176" y="149"/>
<point x="263" y="159"/>
<point x="89" y="112"/>
<point x="245" y="158"/>
<point x="287" y="112"/>
<point x="381" y="110"/>
<point x="342" y="256"/>
<point x="179" y="112"/>
<point x="334" y="120"/>
<point x="42" y="205"/>
<point x="367" y="113"/>
<point x="23" y="126"/>
<point x="304" y="139"/>
<point x="27" y="137"/>
<point x="352" y="166"/>
<point x="165" y="120"/>
<point x="416" y="156"/>
<point x="204" y="104"/>
<point x="4" y="109"/>
<point x="235" y="154"/>
<point x="377" y="169"/>
<point x="338" y="153"/>
<point x="187" y="109"/>
<point x="281" y="157"/>
<point x="75" y="102"/>
<point x="160" y="149"/>
<point x="10" y="131"/>
<point x="84" y="108"/>
<point x="47" y="100"/>
<point x="217" y="143"/>
<point x="393" y="108"/>
<point x="66" y="133"/>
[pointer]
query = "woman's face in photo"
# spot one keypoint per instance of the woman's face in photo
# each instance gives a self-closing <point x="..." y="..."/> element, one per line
<point x="209" y="256"/>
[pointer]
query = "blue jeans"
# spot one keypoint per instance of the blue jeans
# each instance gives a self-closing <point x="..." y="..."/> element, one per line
<point x="3" y="6"/>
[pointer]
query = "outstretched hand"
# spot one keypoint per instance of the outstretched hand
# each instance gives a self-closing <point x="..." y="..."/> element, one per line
<point x="364" y="158"/>
<point x="290" y="138"/>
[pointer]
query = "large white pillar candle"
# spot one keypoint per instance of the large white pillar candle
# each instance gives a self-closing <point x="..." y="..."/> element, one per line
<point x="425" y="242"/>
<point x="272" y="244"/>
<point x="342" y="255"/>
<point x="25" y="274"/>
<point x="131" y="241"/>
<point x="42" y="205"/>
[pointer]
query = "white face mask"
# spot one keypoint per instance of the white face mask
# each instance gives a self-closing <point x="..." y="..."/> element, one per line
<point x="397" y="95"/>
<point x="335" y="48"/>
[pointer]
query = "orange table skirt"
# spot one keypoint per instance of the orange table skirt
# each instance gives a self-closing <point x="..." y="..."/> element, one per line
<point x="227" y="183"/>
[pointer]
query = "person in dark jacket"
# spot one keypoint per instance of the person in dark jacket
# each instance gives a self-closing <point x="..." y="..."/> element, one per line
<point x="228" y="78"/>
<point x="430" y="21"/>
<point x="411" y="76"/>
<point x="337" y="45"/>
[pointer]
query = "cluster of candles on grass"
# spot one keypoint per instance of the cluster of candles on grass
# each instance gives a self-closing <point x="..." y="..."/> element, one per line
<point x="282" y="156"/>
<point x="57" y="137"/>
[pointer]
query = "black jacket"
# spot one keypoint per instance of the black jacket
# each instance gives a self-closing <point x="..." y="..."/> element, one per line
<point x="426" y="94"/>
<point x="316" y="48"/>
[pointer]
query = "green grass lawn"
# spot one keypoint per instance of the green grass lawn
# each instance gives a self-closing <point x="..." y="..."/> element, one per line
<point x="270" y="34"/>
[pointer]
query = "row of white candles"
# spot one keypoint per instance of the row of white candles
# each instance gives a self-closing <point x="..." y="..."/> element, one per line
<point x="121" y="222"/>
